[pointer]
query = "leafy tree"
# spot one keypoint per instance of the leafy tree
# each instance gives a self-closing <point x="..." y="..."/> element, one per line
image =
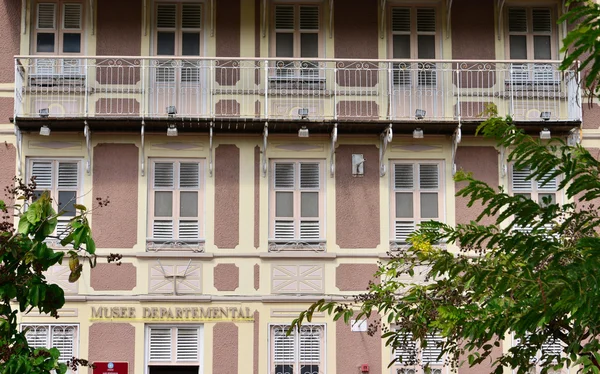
<point x="24" y="256"/>
<point x="540" y="284"/>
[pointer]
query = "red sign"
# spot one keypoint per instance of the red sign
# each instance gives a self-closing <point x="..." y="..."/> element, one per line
<point x="111" y="367"/>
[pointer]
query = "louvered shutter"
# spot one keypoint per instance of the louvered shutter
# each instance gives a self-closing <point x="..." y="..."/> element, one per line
<point x="404" y="184"/>
<point x="542" y="20"/>
<point x="46" y="16"/>
<point x="38" y="336"/>
<point x="517" y="20"/>
<point x="284" y="17"/>
<point x="310" y="348"/>
<point x="551" y="184"/>
<point x="426" y="20"/>
<point x="189" y="178"/>
<point x="68" y="175"/>
<point x="63" y="338"/>
<point x="72" y="15"/>
<point x="519" y="179"/>
<point x="284" y="175"/>
<point x="187" y="344"/>
<point x="309" y="201"/>
<point x="164" y="179"/>
<point x="283" y="345"/>
<point x="191" y="16"/>
<point x="552" y="347"/>
<point x="401" y="19"/>
<point x="42" y="172"/>
<point x="166" y="15"/>
<point x="428" y="176"/>
<point x="284" y="179"/>
<point x="309" y="17"/>
<point x="164" y="175"/>
<point x="160" y="344"/>
<point x="431" y="354"/>
<point x="407" y="353"/>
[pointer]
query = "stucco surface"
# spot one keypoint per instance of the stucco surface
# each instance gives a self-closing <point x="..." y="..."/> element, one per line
<point x="256" y="341"/>
<point x="357" y="348"/>
<point x="485" y="168"/>
<point x="357" y="198"/>
<point x="226" y="277"/>
<point x="112" y="342"/>
<point x="256" y="197"/>
<point x="110" y="277"/>
<point x="351" y="41"/>
<point x="225" y="348"/>
<point x="119" y="28"/>
<point x="227" y="32"/>
<point x="116" y="178"/>
<point x="10" y="19"/>
<point x="7" y="109"/>
<point x="471" y="18"/>
<point x="227" y="196"/>
<point x="256" y="276"/>
<point x="591" y="116"/>
<point x="355" y="277"/>
<point x="8" y="158"/>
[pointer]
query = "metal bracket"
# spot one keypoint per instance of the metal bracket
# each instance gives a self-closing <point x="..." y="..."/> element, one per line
<point x="448" y="14"/>
<point x="334" y="139"/>
<point x="143" y="160"/>
<point x="264" y="18"/>
<point x="385" y="138"/>
<point x="503" y="165"/>
<point x="212" y="17"/>
<point x="575" y="136"/>
<point x="88" y="142"/>
<point x="500" y="10"/>
<point x="19" y="138"/>
<point x="210" y="150"/>
<point x="382" y="20"/>
<point x="330" y="19"/>
<point x="264" y="150"/>
<point x="456" y="138"/>
<point x="24" y="4"/>
<point x="92" y="16"/>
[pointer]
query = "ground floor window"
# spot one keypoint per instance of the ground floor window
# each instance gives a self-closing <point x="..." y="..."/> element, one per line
<point x="301" y="352"/>
<point x="63" y="337"/>
<point x="174" y="349"/>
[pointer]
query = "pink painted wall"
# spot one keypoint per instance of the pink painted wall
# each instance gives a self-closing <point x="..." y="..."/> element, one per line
<point x="116" y="178"/>
<point x="470" y="18"/>
<point x="256" y="276"/>
<point x="7" y="109"/>
<point x="10" y="19"/>
<point x="357" y="198"/>
<point x="113" y="277"/>
<point x="226" y="277"/>
<point x="485" y="168"/>
<point x="484" y="367"/>
<point x="119" y="28"/>
<point x="227" y="33"/>
<point x="355" y="277"/>
<point x="352" y="41"/>
<point x="591" y="116"/>
<point x="227" y="196"/>
<point x="225" y="348"/>
<point x="112" y="342"/>
<point x="8" y="158"/>
<point x="357" y="348"/>
<point x="256" y="341"/>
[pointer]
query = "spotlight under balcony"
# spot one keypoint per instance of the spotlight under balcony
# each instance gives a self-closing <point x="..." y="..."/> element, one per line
<point x="418" y="133"/>
<point x="44" y="112"/>
<point x="45" y="130"/>
<point x="303" y="132"/>
<point x="545" y="134"/>
<point x="420" y="113"/>
<point x="172" y="130"/>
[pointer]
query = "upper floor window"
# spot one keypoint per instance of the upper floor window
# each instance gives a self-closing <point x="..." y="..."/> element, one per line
<point x="417" y="196"/>
<point x="301" y="352"/>
<point x="62" y="337"/>
<point x="297" y="201"/>
<point x="531" y="33"/>
<point x="178" y="29"/>
<point x="414" y="33"/>
<point x="58" y="28"/>
<point x="297" y="30"/>
<point x="175" y="212"/>
<point x="62" y="179"/>
<point x="411" y="360"/>
<point x="174" y="349"/>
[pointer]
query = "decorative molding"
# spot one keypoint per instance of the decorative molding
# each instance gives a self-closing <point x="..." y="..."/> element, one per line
<point x="298" y="279"/>
<point x="179" y="146"/>
<point x="59" y="274"/>
<point x="297" y="246"/>
<point x="156" y="246"/>
<point x="416" y="148"/>
<point x="291" y="313"/>
<point x="54" y="145"/>
<point x="300" y="147"/>
<point x="66" y="312"/>
<point x="175" y="278"/>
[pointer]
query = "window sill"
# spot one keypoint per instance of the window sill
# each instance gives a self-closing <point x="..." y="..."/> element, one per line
<point x="297" y="245"/>
<point x="154" y="245"/>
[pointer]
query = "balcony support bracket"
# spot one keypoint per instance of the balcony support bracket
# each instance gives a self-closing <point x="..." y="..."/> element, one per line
<point x="503" y="165"/>
<point x="92" y="17"/>
<point x="19" y="139"/>
<point x="330" y="19"/>
<point x="264" y="18"/>
<point x="334" y="138"/>
<point x="88" y="143"/>
<point x="448" y="17"/>
<point x="385" y="138"/>
<point x="143" y="153"/>
<point x="500" y="11"/>
<point x="382" y="4"/>
<point x="456" y="138"/>
<point x="574" y="137"/>
<point x="210" y="149"/>
<point x="264" y="150"/>
<point x="212" y="18"/>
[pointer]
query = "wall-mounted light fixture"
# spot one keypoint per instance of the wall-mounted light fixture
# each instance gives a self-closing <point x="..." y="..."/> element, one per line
<point x="303" y="132"/>
<point x="303" y="113"/>
<point x="172" y="130"/>
<point x="418" y="133"/>
<point x="45" y="130"/>
<point x="358" y="165"/>
<point x="171" y="111"/>
<point x="44" y="112"/>
<point x="545" y="115"/>
<point x="545" y="134"/>
<point x="420" y="113"/>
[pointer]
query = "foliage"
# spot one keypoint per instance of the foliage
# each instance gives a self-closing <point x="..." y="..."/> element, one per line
<point x="540" y="284"/>
<point x="24" y="256"/>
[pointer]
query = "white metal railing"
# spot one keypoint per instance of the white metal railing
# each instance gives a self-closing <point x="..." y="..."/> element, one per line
<point x="275" y="89"/>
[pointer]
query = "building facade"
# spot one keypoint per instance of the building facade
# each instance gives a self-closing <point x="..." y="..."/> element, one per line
<point x="259" y="155"/>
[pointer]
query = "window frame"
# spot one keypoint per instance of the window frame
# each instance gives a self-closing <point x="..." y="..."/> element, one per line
<point x="178" y="29"/>
<point x="297" y="32"/>
<point x="50" y="327"/>
<point x="536" y="360"/>
<point x="59" y="29"/>
<point x="175" y="241"/>
<point x="535" y="191"/>
<point x="416" y="190"/>
<point x="297" y="191"/>
<point x="530" y="34"/>
<point x="297" y="361"/>
<point x="173" y="347"/>
<point x="414" y="33"/>
<point x="399" y="367"/>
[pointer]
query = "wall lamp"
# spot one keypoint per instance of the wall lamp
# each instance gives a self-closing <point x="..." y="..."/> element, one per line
<point x="545" y="134"/>
<point x="418" y="133"/>
<point x="171" y="111"/>
<point x="172" y="130"/>
<point x="303" y="113"/>
<point x="45" y="130"/>
<point x="420" y="113"/>
<point x="545" y="115"/>
<point x="303" y="132"/>
<point x="44" y="112"/>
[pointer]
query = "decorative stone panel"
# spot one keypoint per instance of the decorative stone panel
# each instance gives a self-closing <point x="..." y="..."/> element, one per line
<point x="298" y="279"/>
<point x="175" y="278"/>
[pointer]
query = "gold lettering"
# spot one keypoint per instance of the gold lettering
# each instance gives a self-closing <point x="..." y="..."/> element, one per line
<point x="123" y="312"/>
<point x="215" y="312"/>
<point x="163" y="312"/>
<point x="170" y="313"/>
<point x="224" y="312"/>
<point x="96" y="313"/>
<point x="154" y="312"/>
<point x="146" y="313"/>
<point x="187" y="312"/>
<point x="240" y="313"/>
<point x="195" y="312"/>
<point x="131" y="312"/>
<point x="233" y="311"/>
<point x="114" y="312"/>
<point x="178" y="313"/>
<point x="247" y="312"/>
<point x="204" y="313"/>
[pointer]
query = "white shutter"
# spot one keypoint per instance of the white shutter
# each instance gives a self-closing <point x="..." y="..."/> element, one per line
<point x="309" y="230"/>
<point x="431" y="353"/>
<point x="63" y="338"/>
<point x="309" y="175"/>
<point x="542" y="20"/>
<point x="164" y="175"/>
<point x="309" y="17"/>
<point x="284" y="230"/>
<point x="72" y="15"/>
<point x="519" y="179"/>
<point x="401" y="19"/>
<point x="284" y="175"/>
<point x="310" y="344"/>
<point x="191" y="16"/>
<point x="62" y="227"/>
<point x="425" y="20"/>
<point x="166" y="15"/>
<point x="187" y="344"/>
<point x="428" y="176"/>
<point x="189" y="230"/>
<point x="407" y="354"/>
<point x="163" y="229"/>
<point x="403" y="229"/>
<point x="189" y="175"/>
<point x="404" y="176"/>
<point x="160" y="344"/>
<point x="46" y="16"/>
<point x="517" y="20"/>
<point x="68" y="174"/>
<point x="552" y="184"/>
<point x="37" y="336"/>
<point x="283" y="345"/>
<point x="284" y="17"/>
<point x="42" y="171"/>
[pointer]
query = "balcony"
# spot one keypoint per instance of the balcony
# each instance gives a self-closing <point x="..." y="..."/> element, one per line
<point x="257" y="90"/>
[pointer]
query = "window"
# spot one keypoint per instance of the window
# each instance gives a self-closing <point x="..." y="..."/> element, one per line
<point x="174" y="346"/>
<point x="414" y="36"/>
<point x="62" y="337"/>
<point x="297" y="35"/>
<point x="417" y="196"/>
<point x="550" y="348"/>
<point x="176" y="201"/>
<point x="297" y="201"/>
<point x="530" y="33"/>
<point x="58" y="28"/>
<point x="412" y="360"/>
<point x="302" y="352"/>
<point x="533" y="189"/>
<point x="62" y="180"/>
<point x="178" y="29"/>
